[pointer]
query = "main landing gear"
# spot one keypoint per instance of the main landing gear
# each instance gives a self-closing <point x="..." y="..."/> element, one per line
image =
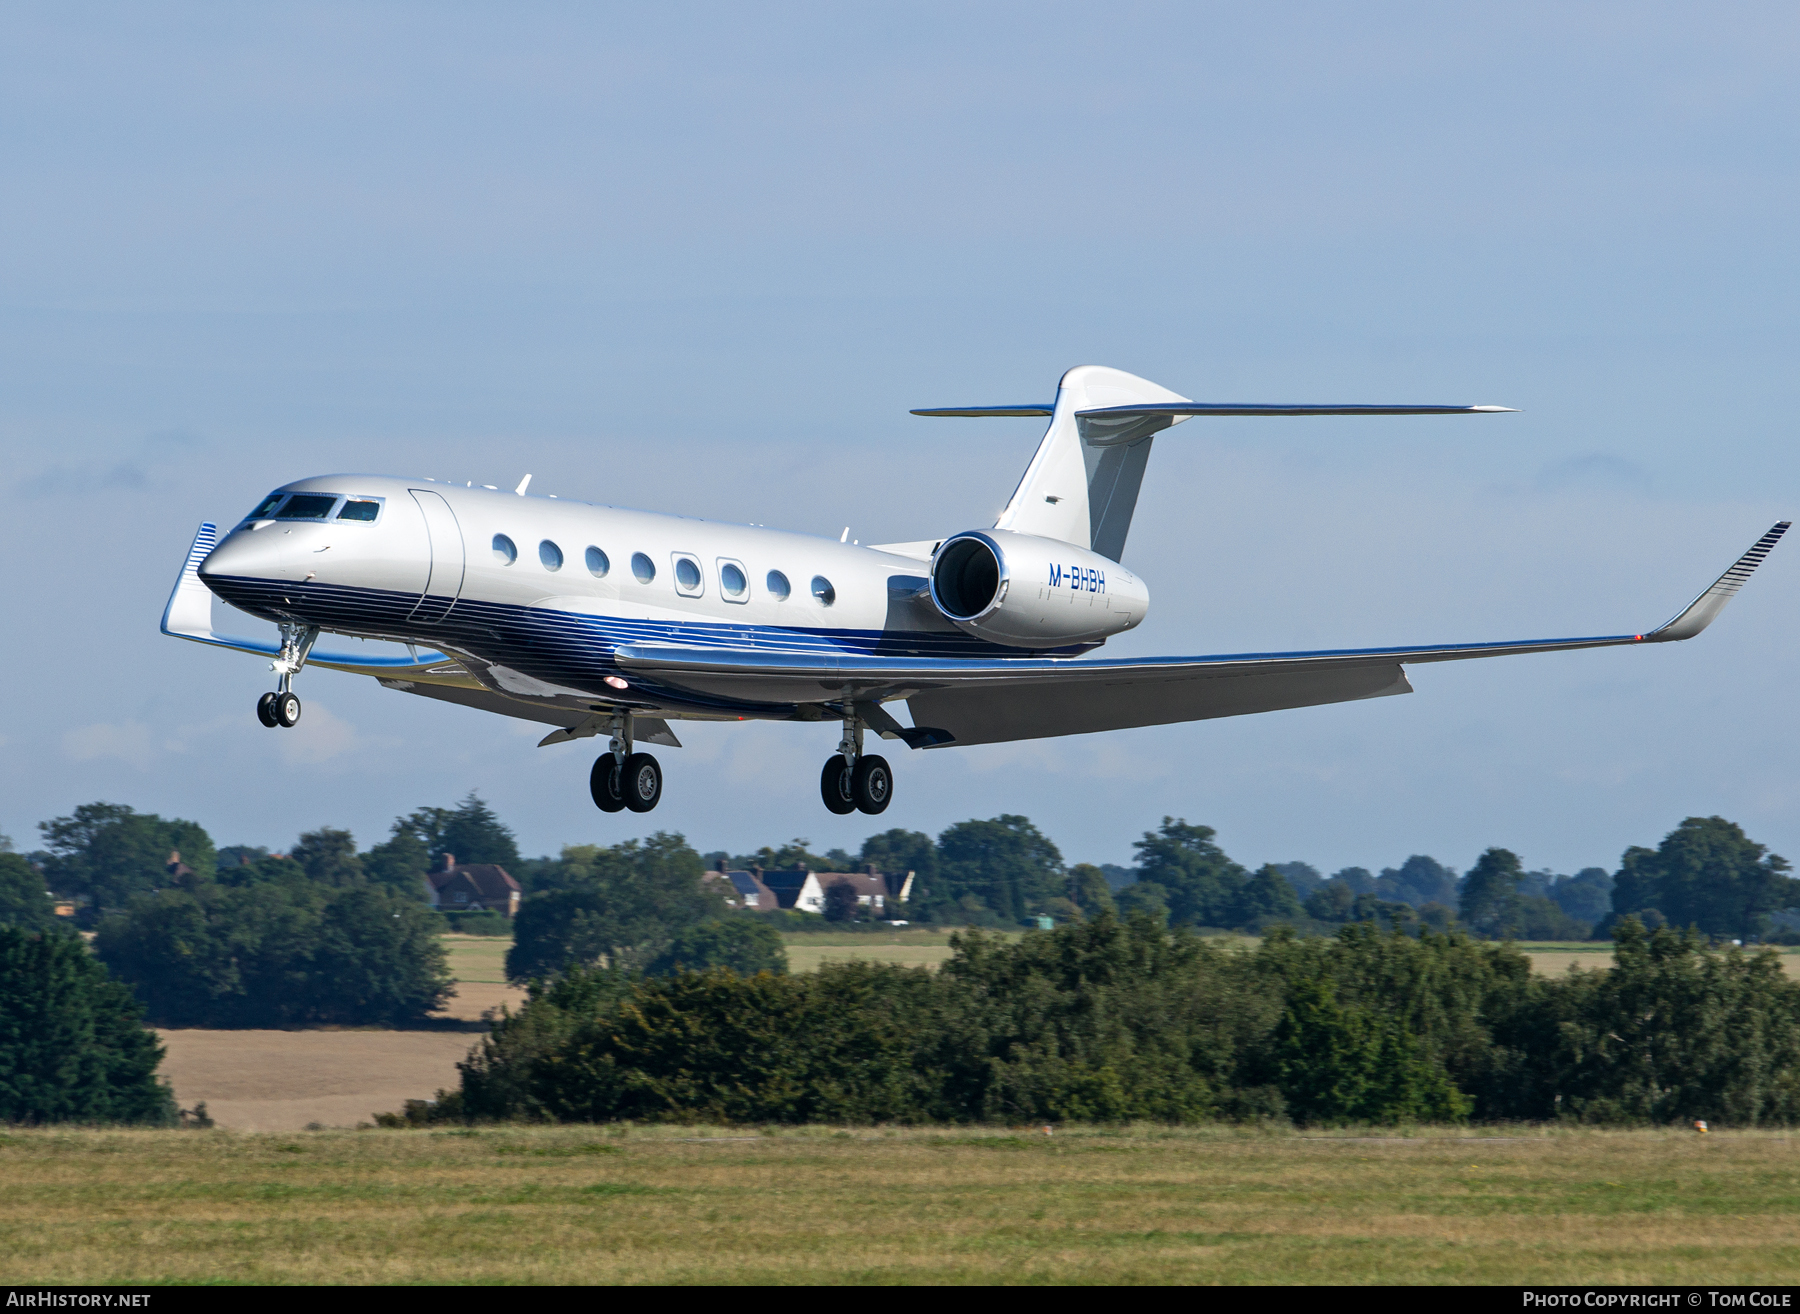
<point x="854" y="781"/>
<point x="282" y="708"/>
<point x="622" y="778"/>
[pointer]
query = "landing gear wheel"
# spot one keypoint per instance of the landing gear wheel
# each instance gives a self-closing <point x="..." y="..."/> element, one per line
<point x="604" y="783"/>
<point x="872" y="784"/>
<point x="265" y="710"/>
<point x="641" y="782"/>
<point x="834" y="784"/>
<point x="287" y="710"/>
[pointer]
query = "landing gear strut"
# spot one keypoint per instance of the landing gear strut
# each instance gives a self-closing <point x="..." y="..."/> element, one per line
<point x="854" y="781"/>
<point x="282" y="708"/>
<point x="623" y="778"/>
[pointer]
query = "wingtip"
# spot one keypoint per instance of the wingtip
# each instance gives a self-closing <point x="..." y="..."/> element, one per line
<point x="1490" y="410"/>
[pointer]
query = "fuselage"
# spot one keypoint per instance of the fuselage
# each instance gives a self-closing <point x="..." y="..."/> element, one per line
<point x="535" y="593"/>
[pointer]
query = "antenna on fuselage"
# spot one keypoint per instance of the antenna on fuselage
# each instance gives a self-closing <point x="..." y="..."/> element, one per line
<point x="523" y="484"/>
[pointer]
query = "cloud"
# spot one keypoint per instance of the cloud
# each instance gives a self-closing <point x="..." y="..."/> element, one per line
<point x="1594" y="471"/>
<point x="132" y="474"/>
<point x="128" y="743"/>
<point x="319" y="737"/>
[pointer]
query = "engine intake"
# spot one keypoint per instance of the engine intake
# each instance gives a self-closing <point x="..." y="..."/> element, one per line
<point x="1030" y="592"/>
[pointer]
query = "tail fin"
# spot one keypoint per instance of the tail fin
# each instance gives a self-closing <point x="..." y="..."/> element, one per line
<point x="1082" y="485"/>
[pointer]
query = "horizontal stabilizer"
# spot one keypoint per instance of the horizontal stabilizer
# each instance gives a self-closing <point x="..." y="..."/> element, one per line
<point x="1280" y="408"/>
<point x="1105" y="425"/>
<point x="1011" y="411"/>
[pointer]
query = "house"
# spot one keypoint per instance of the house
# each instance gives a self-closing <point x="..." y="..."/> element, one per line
<point x="744" y="889"/>
<point x="801" y="890"/>
<point x="475" y="887"/>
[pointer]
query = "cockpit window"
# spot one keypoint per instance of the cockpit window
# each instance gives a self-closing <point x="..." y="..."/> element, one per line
<point x="359" y="509"/>
<point x="307" y="506"/>
<point x="268" y="504"/>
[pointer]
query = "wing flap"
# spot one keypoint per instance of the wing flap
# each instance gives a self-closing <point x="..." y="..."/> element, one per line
<point x="964" y="716"/>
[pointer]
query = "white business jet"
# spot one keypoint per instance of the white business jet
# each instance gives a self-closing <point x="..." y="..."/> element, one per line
<point x="598" y="620"/>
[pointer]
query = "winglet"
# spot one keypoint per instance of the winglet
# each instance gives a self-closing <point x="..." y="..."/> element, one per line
<point x="189" y="613"/>
<point x="1702" y="610"/>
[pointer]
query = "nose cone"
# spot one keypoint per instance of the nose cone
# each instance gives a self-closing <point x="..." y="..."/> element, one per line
<point x="246" y="554"/>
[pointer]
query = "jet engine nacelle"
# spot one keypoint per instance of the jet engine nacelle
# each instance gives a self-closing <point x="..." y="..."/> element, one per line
<point x="1030" y="592"/>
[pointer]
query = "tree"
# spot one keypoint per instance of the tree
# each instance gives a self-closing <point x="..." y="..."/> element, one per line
<point x="1332" y="901"/>
<point x="276" y="954"/>
<point x="1586" y="896"/>
<point x="329" y="857"/>
<point x="1006" y="862"/>
<point x="621" y="905"/>
<point x="72" y="1045"/>
<point x="1144" y="899"/>
<point x="23" y="902"/>
<point x="1706" y="873"/>
<point x="840" y="903"/>
<point x="793" y="855"/>
<point x="744" y="943"/>
<point x="1419" y="880"/>
<point x="470" y="832"/>
<point x="1202" y="883"/>
<point x="400" y="862"/>
<point x="1491" y="905"/>
<point x="108" y="853"/>
<point x="1303" y="876"/>
<point x="904" y="851"/>
<point x="1341" y="1063"/>
<point x="1266" y="896"/>
<point x="1089" y="891"/>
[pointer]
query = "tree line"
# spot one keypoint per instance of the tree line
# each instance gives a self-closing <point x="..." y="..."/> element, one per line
<point x="328" y="933"/>
<point x="1110" y="1020"/>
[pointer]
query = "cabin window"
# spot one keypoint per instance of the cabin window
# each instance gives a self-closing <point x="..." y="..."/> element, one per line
<point x="307" y="506"/>
<point x="822" y="590"/>
<point x="642" y="567"/>
<point x="687" y="577"/>
<point x="504" y="551"/>
<point x="359" y="508"/>
<point x="267" y="505"/>
<point x="550" y="555"/>
<point x="597" y="563"/>
<point x="777" y="584"/>
<point x="733" y="583"/>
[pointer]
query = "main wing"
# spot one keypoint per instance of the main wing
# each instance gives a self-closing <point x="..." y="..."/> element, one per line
<point x="957" y="702"/>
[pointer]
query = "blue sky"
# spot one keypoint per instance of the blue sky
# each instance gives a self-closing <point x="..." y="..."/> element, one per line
<point x="704" y="258"/>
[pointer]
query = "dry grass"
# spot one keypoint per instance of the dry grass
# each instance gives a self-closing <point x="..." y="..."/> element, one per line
<point x="595" y="1205"/>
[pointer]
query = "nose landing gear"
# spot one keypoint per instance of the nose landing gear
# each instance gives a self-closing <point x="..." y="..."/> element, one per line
<point x="282" y="708"/>
<point x="854" y="781"/>
<point x="622" y="778"/>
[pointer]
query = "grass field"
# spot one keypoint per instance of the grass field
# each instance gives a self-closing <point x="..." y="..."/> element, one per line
<point x="582" y="1204"/>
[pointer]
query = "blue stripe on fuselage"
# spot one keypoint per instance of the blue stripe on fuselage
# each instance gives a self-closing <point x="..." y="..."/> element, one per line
<point x="572" y="649"/>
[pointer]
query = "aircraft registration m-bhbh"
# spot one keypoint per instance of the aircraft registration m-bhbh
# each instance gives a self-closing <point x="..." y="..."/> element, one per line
<point x="598" y="620"/>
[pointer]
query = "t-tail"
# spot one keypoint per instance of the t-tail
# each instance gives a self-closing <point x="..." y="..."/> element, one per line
<point x="1082" y="484"/>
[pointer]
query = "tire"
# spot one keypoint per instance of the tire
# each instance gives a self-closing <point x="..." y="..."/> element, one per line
<point x="287" y="710"/>
<point x="872" y="784"/>
<point x="834" y="786"/>
<point x="265" y="710"/>
<point x="603" y="784"/>
<point x="641" y="782"/>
